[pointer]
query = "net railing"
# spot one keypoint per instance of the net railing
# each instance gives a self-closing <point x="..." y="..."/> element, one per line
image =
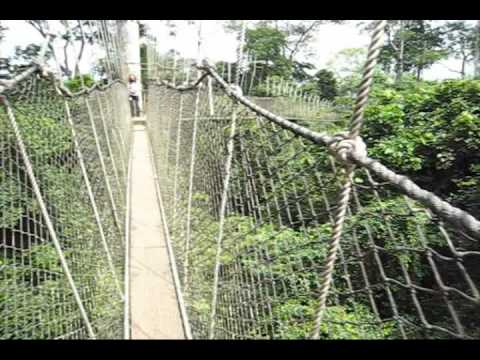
<point x="249" y="207"/>
<point x="250" y="196"/>
<point x="63" y="179"/>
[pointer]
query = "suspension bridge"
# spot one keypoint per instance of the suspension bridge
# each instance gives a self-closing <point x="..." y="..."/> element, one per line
<point x="217" y="215"/>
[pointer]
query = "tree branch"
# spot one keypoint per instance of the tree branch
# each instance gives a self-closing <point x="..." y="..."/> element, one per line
<point x="449" y="69"/>
<point x="37" y="27"/>
<point x="302" y="38"/>
<point x="67" y="69"/>
<point x="82" y="47"/>
<point x="390" y="41"/>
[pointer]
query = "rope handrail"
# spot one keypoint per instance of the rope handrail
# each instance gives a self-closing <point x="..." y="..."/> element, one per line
<point x="449" y="212"/>
<point x="97" y="86"/>
<point x="252" y="208"/>
<point x="453" y="215"/>
<point x="37" y="64"/>
<point x="262" y="239"/>
<point x="351" y="140"/>
<point x="58" y="203"/>
<point x="186" y="87"/>
<point x="6" y="85"/>
<point x="316" y="137"/>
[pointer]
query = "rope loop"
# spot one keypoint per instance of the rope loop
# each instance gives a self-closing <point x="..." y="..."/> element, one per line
<point x="43" y="68"/>
<point x="342" y="146"/>
<point x="236" y="89"/>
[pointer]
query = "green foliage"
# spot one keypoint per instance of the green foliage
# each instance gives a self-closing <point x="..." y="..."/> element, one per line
<point x="354" y="322"/>
<point x="35" y="299"/>
<point x="28" y="53"/>
<point x="426" y="130"/>
<point x="422" y="129"/>
<point x="43" y="134"/>
<point x="412" y="46"/>
<point x="11" y="204"/>
<point x="46" y="139"/>
<point x="75" y="85"/>
<point x="326" y="84"/>
<point x="268" y="45"/>
<point x="300" y="73"/>
<point x="45" y="257"/>
<point x="460" y="38"/>
<point x="348" y="62"/>
<point x="348" y="85"/>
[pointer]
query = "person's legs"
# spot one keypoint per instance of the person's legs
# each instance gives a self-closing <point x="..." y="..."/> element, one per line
<point x="137" y="107"/>
<point x="132" y="106"/>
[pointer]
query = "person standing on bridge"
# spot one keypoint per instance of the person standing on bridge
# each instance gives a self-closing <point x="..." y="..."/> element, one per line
<point x="134" y="94"/>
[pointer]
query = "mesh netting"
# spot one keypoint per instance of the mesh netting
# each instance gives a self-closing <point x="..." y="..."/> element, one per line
<point x="401" y="272"/>
<point x="249" y="206"/>
<point x="76" y="150"/>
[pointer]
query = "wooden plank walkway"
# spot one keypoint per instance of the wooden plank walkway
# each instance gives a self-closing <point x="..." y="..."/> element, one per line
<point x="154" y="307"/>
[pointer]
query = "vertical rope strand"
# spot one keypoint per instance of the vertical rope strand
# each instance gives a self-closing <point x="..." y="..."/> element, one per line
<point x="92" y="200"/>
<point x="192" y="165"/>
<point x="228" y="165"/>
<point x="344" y="196"/>
<point x="46" y="216"/>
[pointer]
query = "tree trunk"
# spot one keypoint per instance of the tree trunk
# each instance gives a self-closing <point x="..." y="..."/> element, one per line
<point x="67" y="71"/>
<point x="401" y="54"/>
<point x="422" y="62"/>
<point x="80" y="55"/>
<point x="477" y="52"/>
<point x="462" y="71"/>
<point x="130" y="52"/>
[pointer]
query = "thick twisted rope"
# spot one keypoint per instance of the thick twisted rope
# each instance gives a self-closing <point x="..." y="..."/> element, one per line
<point x="38" y="64"/>
<point x="339" y="148"/>
<point x="232" y="91"/>
<point x="349" y="153"/>
<point x="367" y="79"/>
<point x="455" y="216"/>
<point x="184" y="88"/>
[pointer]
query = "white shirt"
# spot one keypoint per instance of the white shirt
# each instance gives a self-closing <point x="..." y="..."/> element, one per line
<point x="133" y="89"/>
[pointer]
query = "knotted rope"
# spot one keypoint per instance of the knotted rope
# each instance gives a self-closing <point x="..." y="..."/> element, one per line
<point x="452" y="214"/>
<point x="341" y="148"/>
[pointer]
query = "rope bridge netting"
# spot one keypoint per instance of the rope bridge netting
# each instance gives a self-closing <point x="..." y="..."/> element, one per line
<point x="63" y="178"/>
<point x="280" y="224"/>
<point x="254" y="215"/>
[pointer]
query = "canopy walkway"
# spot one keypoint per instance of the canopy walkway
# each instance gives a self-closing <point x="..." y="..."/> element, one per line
<point x="219" y="215"/>
<point x="154" y="307"/>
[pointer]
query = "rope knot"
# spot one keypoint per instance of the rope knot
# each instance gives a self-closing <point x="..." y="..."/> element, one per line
<point x="44" y="70"/>
<point x="234" y="88"/>
<point x="206" y="62"/>
<point x="342" y="146"/>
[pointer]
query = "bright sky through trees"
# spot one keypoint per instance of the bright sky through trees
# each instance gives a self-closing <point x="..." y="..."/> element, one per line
<point x="219" y="45"/>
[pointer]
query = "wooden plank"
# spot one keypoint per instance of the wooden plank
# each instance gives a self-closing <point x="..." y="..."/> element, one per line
<point x="155" y="311"/>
